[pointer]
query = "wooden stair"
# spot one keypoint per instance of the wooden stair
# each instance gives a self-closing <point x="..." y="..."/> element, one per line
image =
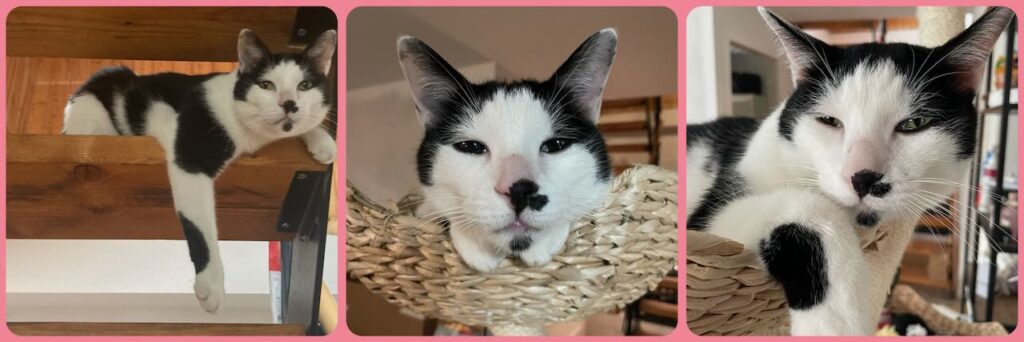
<point x="632" y="128"/>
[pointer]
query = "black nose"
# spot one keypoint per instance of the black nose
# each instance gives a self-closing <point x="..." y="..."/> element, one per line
<point x="867" y="182"/>
<point x="290" y="107"/>
<point x="523" y="193"/>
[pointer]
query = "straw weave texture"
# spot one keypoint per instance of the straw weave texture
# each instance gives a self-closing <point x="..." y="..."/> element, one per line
<point x="611" y="258"/>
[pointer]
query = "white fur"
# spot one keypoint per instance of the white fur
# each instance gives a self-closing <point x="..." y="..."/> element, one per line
<point x="511" y="124"/>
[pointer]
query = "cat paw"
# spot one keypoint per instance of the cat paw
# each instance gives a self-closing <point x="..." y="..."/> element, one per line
<point x="537" y="257"/>
<point x="209" y="289"/>
<point x="483" y="263"/>
<point x="323" y="150"/>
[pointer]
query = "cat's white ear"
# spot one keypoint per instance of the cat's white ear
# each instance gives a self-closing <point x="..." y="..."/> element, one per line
<point x="968" y="52"/>
<point x="583" y="76"/>
<point x="435" y="84"/>
<point x="321" y="51"/>
<point x="805" y="53"/>
<point x="251" y="51"/>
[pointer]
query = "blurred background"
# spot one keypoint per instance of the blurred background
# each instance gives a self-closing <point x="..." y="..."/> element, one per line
<point x="638" y="116"/>
<point x="964" y="255"/>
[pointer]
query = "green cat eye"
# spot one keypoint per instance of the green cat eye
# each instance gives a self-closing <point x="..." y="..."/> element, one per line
<point x="305" y="85"/>
<point x="265" y="84"/>
<point x="913" y="124"/>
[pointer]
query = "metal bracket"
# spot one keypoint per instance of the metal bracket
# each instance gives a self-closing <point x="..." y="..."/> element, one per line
<point x="305" y="212"/>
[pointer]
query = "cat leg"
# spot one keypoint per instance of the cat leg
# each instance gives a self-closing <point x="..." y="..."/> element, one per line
<point x="543" y="245"/>
<point x="474" y="251"/>
<point x="194" y="199"/>
<point x="321" y="145"/>
<point x="86" y="115"/>
<point x="809" y="245"/>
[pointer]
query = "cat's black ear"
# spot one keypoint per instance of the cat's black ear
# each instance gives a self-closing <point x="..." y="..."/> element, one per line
<point x="968" y="52"/>
<point x="805" y="53"/>
<point x="433" y="81"/>
<point x="321" y="51"/>
<point x="583" y="76"/>
<point x="252" y="53"/>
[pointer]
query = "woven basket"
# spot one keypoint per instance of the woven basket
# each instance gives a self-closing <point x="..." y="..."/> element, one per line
<point x="611" y="258"/>
<point x="728" y="293"/>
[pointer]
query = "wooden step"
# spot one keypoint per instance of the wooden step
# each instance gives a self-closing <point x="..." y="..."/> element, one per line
<point x="115" y="187"/>
<point x="153" y="329"/>
<point x="658" y="308"/>
<point x="628" y="126"/>
<point x="629" y="148"/>
<point x="669" y="283"/>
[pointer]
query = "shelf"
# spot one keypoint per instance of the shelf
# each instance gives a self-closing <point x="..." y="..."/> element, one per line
<point x="116" y="187"/>
<point x="154" y="329"/>
<point x="999" y="109"/>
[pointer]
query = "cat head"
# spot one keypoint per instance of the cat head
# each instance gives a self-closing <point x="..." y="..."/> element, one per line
<point x="283" y="94"/>
<point x="888" y="128"/>
<point x="511" y="157"/>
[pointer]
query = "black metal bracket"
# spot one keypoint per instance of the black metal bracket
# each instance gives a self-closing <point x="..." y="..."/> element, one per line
<point x="304" y="211"/>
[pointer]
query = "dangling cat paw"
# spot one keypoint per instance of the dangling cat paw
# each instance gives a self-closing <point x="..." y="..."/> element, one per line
<point x="483" y="263"/>
<point x="323" y="150"/>
<point x="209" y="289"/>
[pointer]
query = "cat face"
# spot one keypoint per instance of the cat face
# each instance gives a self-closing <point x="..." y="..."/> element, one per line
<point x="511" y="158"/>
<point x="285" y="94"/>
<point x="888" y="128"/>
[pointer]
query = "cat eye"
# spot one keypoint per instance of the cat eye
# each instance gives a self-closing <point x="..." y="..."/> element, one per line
<point x="913" y="125"/>
<point x="470" y="147"/>
<point x="265" y="85"/>
<point x="830" y="121"/>
<point x="305" y="85"/>
<point x="554" y="145"/>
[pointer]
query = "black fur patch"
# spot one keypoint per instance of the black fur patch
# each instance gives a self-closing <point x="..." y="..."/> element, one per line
<point x="520" y="243"/>
<point x="795" y="257"/>
<point x="868" y="219"/>
<point x="728" y="139"/>
<point x="197" y="248"/>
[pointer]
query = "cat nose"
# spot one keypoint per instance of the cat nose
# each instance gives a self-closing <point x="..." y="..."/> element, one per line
<point x="867" y="182"/>
<point x="523" y="194"/>
<point x="289" y="107"/>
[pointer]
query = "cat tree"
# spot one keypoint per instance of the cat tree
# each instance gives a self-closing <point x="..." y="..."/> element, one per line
<point x="612" y="258"/>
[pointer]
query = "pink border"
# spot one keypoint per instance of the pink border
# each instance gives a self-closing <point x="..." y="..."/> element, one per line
<point x="342" y="10"/>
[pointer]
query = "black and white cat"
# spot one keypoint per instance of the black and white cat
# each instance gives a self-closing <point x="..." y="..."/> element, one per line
<point x="873" y="134"/>
<point x="510" y="165"/>
<point x="203" y="122"/>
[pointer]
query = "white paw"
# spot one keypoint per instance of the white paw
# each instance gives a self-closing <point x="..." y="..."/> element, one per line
<point x="483" y="263"/>
<point x="323" y="150"/>
<point x="536" y="258"/>
<point x="209" y="289"/>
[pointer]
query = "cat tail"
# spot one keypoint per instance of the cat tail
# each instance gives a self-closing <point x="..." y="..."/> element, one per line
<point x="195" y="202"/>
<point x="809" y="245"/>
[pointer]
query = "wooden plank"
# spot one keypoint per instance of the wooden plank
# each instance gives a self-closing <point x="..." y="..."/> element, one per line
<point x="111" y="187"/>
<point x="629" y="148"/>
<point x="659" y="308"/>
<point x="154" y="33"/>
<point x="153" y="329"/>
<point x="669" y="283"/>
<point x="629" y="126"/>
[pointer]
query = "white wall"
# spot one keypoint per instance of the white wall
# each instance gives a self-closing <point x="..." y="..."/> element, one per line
<point x="701" y="79"/>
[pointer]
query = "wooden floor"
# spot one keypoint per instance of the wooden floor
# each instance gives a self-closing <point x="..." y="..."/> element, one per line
<point x="38" y="88"/>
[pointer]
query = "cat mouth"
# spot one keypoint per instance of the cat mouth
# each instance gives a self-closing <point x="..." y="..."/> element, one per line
<point x="517" y="227"/>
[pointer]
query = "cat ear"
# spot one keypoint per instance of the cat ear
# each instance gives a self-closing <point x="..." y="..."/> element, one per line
<point x="803" y="51"/>
<point x="251" y="51"/>
<point x="585" y="73"/>
<point x="321" y="51"/>
<point x="433" y="81"/>
<point x="968" y="52"/>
